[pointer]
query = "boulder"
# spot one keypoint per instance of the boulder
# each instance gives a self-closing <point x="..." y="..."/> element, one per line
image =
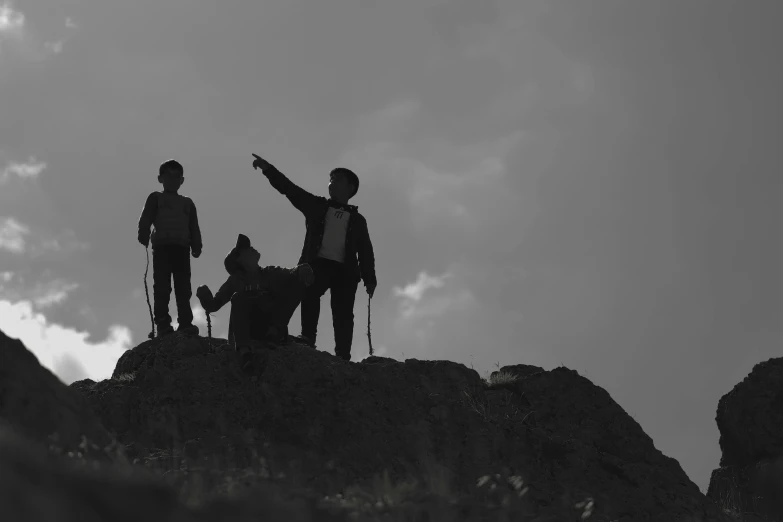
<point x="36" y="404"/>
<point x="750" y="422"/>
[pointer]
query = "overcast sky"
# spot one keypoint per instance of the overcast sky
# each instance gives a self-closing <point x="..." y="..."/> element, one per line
<point x="593" y="184"/>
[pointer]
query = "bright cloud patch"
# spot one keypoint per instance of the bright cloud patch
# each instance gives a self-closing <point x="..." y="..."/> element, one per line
<point x="415" y="305"/>
<point x="415" y="291"/>
<point x="65" y="242"/>
<point x="64" y="351"/>
<point x="30" y="169"/>
<point x="18" y="238"/>
<point x="54" y="293"/>
<point x="12" y="235"/>
<point x="11" y="21"/>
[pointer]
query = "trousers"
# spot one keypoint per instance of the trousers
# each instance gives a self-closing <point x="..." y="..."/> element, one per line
<point x="333" y="276"/>
<point x="171" y="262"/>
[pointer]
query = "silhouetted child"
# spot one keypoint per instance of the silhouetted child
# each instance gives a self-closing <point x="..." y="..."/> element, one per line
<point x="263" y="299"/>
<point x="337" y="245"/>
<point x="176" y="234"/>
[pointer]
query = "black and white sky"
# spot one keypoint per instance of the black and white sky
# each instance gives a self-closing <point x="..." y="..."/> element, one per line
<point x="552" y="182"/>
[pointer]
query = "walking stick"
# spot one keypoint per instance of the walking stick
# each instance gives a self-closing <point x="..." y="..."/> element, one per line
<point x="147" y="293"/>
<point x="369" y="333"/>
<point x="209" y="330"/>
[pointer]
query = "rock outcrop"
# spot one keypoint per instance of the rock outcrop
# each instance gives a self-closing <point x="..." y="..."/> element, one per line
<point x="750" y="420"/>
<point x="324" y="425"/>
<point x="38" y="406"/>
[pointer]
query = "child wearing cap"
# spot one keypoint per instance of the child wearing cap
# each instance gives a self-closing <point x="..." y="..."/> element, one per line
<point x="263" y="299"/>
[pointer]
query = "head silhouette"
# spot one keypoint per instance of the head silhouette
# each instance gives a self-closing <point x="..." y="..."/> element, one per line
<point x="171" y="175"/>
<point x="343" y="184"/>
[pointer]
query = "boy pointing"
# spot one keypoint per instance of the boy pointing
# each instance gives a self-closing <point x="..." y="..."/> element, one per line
<point x="338" y="248"/>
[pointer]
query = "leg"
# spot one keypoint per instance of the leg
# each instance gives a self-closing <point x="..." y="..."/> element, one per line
<point x="161" y="286"/>
<point x="311" y="300"/>
<point x="240" y="320"/>
<point x="180" y="267"/>
<point x="343" y="296"/>
<point x="285" y="305"/>
<point x="243" y="328"/>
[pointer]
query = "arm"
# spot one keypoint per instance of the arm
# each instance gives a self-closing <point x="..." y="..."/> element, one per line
<point x="299" y="197"/>
<point x="366" y="257"/>
<point x="147" y="218"/>
<point x="213" y="304"/>
<point x="195" y="232"/>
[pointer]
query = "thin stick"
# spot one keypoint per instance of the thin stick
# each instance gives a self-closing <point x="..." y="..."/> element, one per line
<point x="369" y="334"/>
<point x="209" y="330"/>
<point x="147" y="293"/>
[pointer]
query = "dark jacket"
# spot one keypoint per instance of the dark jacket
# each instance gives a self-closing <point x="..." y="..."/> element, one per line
<point x="185" y="231"/>
<point x="359" y="256"/>
<point x="273" y="283"/>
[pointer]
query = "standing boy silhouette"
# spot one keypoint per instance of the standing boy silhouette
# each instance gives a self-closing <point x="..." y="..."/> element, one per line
<point x="338" y="248"/>
<point x="176" y="234"/>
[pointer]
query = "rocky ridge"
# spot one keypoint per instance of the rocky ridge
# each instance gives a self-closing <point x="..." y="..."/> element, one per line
<point x="332" y="440"/>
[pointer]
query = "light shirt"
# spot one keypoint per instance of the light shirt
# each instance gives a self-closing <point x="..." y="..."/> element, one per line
<point x="335" y="228"/>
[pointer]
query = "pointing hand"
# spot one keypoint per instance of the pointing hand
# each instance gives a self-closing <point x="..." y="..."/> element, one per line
<point x="261" y="163"/>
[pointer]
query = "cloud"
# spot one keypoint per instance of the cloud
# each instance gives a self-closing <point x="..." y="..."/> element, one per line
<point x="415" y="291"/>
<point x="19" y="238"/>
<point x="11" y="21"/>
<point x="54" y="293"/>
<point x="65" y="242"/>
<point x="64" y="351"/>
<point x="459" y="194"/>
<point x="420" y="308"/>
<point x="12" y="235"/>
<point x="54" y="47"/>
<point x="26" y="44"/>
<point x="43" y="294"/>
<point x="31" y="169"/>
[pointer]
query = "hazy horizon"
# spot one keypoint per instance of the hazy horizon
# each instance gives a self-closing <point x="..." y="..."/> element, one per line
<point x="547" y="182"/>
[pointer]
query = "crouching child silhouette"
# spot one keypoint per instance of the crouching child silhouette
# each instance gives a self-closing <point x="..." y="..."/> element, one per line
<point x="176" y="234"/>
<point x="263" y="299"/>
<point x="337" y="245"/>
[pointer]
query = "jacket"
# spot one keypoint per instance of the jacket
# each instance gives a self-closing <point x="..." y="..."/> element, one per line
<point x="175" y="221"/>
<point x="273" y="282"/>
<point x="359" y="255"/>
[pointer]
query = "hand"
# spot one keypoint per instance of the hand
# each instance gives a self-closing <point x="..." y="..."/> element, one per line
<point x="202" y="292"/>
<point x="306" y="275"/>
<point x="196" y="253"/>
<point x="144" y="241"/>
<point x="371" y="288"/>
<point x="261" y="163"/>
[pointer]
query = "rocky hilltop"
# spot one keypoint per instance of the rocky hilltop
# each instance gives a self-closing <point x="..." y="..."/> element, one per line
<point x="307" y="436"/>
<point x="750" y="421"/>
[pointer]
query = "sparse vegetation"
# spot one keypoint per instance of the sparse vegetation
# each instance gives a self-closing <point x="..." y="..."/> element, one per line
<point x="246" y="489"/>
<point x="500" y="378"/>
<point x="126" y="377"/>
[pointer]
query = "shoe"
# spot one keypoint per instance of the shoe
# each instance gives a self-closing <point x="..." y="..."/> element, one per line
<point x="188" y="329"/>
<point x="303" y="339"/>
<point x="163" y="331"/>
<point x="343" y="356"/>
